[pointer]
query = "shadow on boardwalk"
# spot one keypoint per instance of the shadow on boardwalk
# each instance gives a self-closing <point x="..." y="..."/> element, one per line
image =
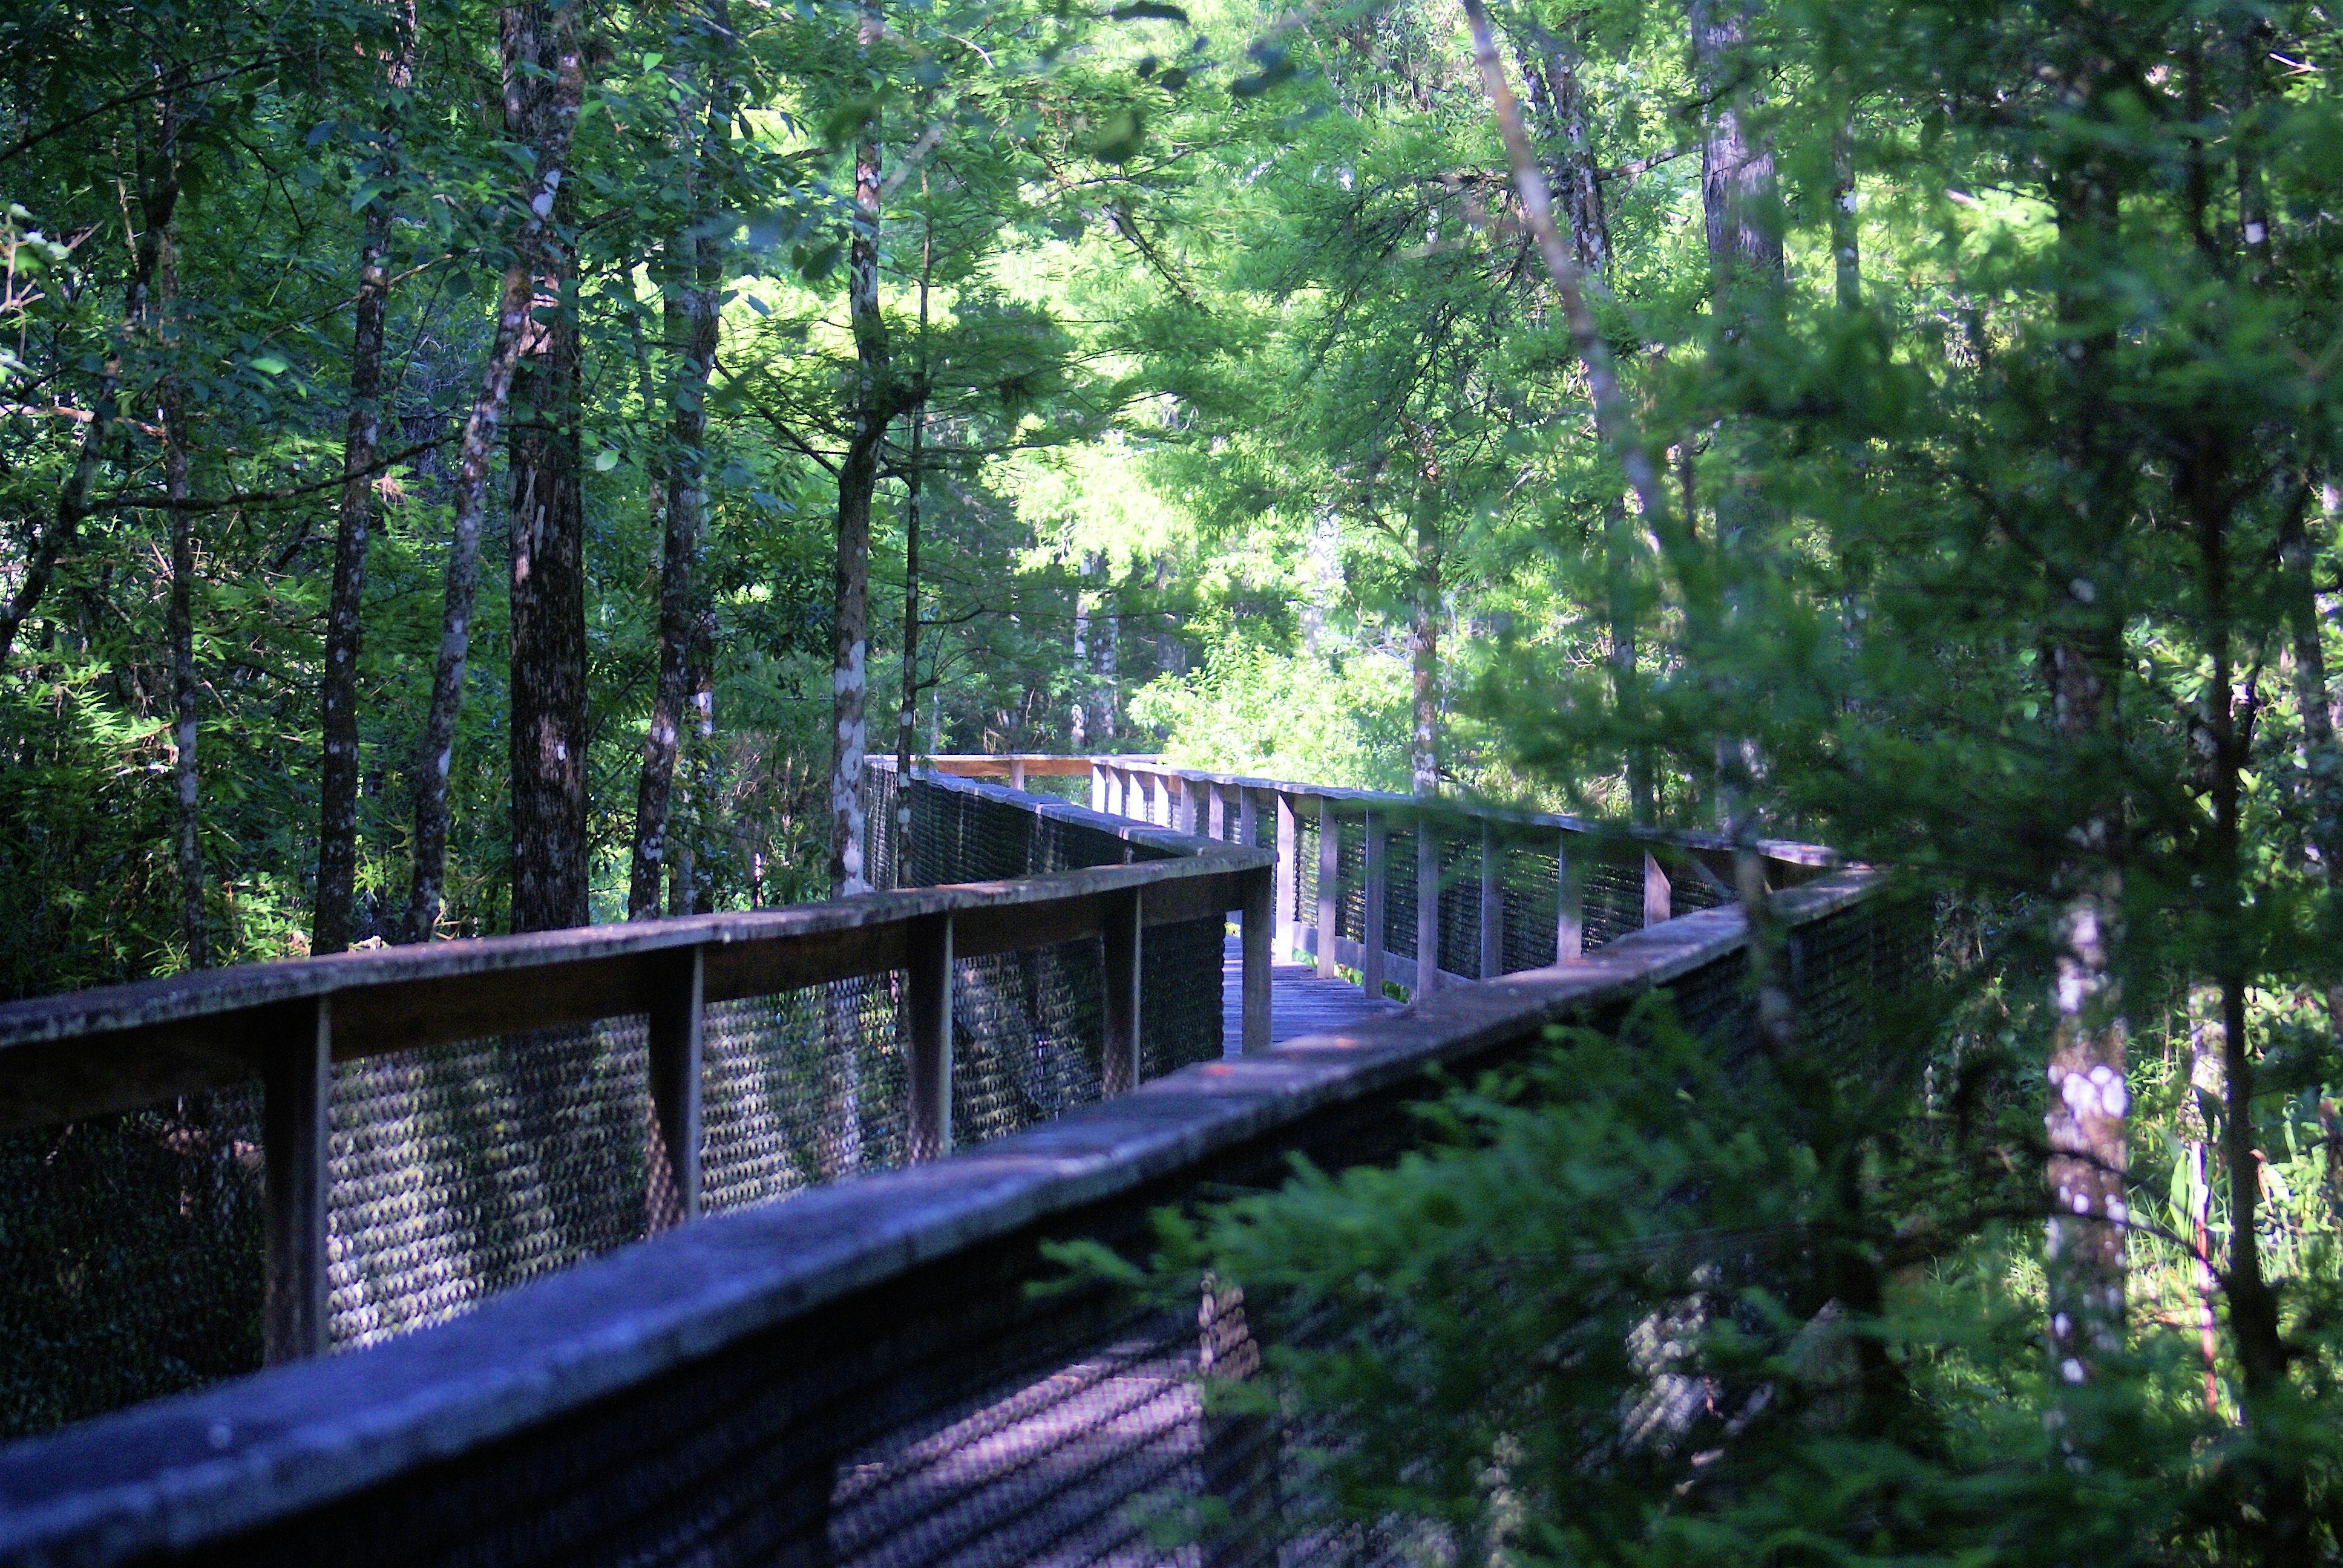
<point x="1300" y="1002"/>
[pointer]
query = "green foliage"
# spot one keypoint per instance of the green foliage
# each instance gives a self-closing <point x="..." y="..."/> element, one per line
<point x="1249" y="710"/>
<point x="1633" y="1304"/>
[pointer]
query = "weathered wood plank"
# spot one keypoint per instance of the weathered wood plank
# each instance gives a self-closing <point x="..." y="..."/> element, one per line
<point x="1120" y="944"/>
<point x="297" y="1078"/>
<point x="672" y="1152"/>
<point x="1330" y="886"/>
<point x="928" y="1036"/>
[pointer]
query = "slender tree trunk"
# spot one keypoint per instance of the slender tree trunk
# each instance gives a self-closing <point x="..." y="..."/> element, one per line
<point x="187" y="691"/>
<point x="530" y="35"/>
<point x="547" y="687"/>
<point x="1847" y="245"/>
<point x="337" y="686"/>
<point x="1423" y="658"/>
<point x="158" y="187"/>
<point x="857" y="480"/>
<point x="2263" y="1355"/>
<point x="1424" y="714"/>
<point x="907" y="714"/>
<point x="1613" y="417"/>
<point x="1109" y="665"/>
<point x="692" y="316"/>
<point x="1553" y="71"/>
<point x="2089" y="1101"/>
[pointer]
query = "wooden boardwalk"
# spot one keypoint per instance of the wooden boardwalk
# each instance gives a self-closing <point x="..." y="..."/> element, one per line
<point x="1300" y="1002"/>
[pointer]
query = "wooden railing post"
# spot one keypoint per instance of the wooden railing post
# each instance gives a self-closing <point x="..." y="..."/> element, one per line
<point x="1186" y="822"/>
<point x="1570" y="912"/>
<point x="1427" y="905"/>
<point x="1658" y="894"/>
<point x="1118" y="945"/>
<point x="1248" y="822"/>
<point x="296" y="1090"/>
<point x="1370" y="930"/>
<point x="1216" y="810"/>
<point x="671" y="1192"/>
<point x="1098" y="788"/>
<point x="1330" y="886"/>
<point x="1493" y="902"/>
<point x="1259" y="893"/>
<point x="1017" y="773"/>
<point x="1289" y="876"/>
<point x="927" y="1011"/>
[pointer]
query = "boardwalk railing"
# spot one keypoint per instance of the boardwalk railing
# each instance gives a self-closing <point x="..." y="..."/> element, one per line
<point x="1370" y="880"/>
<point x="492" y="1044"/>
<point x="862" y="1375"/>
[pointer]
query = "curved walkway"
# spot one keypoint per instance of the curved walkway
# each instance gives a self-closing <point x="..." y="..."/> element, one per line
<point x="1300" y="1002"/>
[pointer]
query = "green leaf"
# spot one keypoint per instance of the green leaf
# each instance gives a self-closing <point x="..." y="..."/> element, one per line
<point x="606" y="459"/>
<point x="270" y="365"/>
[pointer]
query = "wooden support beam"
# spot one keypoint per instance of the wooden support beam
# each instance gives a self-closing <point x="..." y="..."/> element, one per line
<point x="928" y="1035"/>
<point x="671" y="1160"/>
<point x="297" y="1093"/>
<point x="1248" y="822"/>
<point x="1098" y="788"/>
<point x="1259" y="894"/>
<point x="1427" y="906"/>
<point x="1570" y="914"/>
<point x="1216" y="811"/>
<point x="1165" y="813"/>
<point x="1493" y="903"/>
<point x="1658" y="894"/>
<point x="1017" y="773"/>
<point x="1287" y="874"/>
<point x="1120" y="943"/>
<point x="1186" y="822"/>
<point x="1371" y="932"/>
<point x="1330" y="886"/>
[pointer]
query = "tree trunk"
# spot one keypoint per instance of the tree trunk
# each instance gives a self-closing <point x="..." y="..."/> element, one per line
<point x="907" y="715"/>
<point x="691" y="317"/>
<point x="158" y="187"/>
<point x="2263" y="1355"/>
<point x="857" y="480"/>
<point x="547" y="525"/>
<point x="186" y="690"/>
<point x="1553" y="73"/>
<point x="337" y="686"/>
<point x="2089" y="1101"/>
<point x="543" y="57"/>
<point x="1424" y="713"/>
<point x="1736" y="179"/>
<point x="1846" y="248"/>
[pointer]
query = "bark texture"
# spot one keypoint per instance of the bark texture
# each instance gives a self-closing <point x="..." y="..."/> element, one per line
<point x="858" y="482"/>
<point x="1736" y="172"/>
<point x="529" y="35"/>
<point x="337" y="686"/>
<point x="187" y="689"/>
<point x="548" y="561"/>
<point x="690" y="316"/>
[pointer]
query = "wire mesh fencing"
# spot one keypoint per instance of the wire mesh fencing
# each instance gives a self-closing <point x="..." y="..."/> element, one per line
<point x="946" y="1412"/>
<point x="131" y="1259"/>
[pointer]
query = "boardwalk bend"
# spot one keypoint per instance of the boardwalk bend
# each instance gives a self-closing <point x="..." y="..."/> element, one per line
<point x="526" y="1189"/>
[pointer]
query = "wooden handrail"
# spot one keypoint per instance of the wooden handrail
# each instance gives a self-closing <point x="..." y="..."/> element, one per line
<point x="116" y="1048"/>
<point x="359" y="1435"/>
<point x="1197" y="800"/>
